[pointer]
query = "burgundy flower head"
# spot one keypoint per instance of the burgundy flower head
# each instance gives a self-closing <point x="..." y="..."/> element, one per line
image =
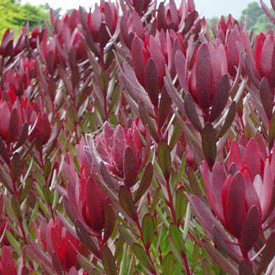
<point x="241" y="197"/>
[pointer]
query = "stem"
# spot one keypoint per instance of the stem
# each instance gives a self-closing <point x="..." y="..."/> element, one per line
<point x="186" y="265"/>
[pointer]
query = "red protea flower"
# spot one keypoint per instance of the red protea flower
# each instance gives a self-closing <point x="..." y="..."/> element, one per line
<point x="225" y="26"/>
<point x="59" y="242"/>
<point x="88" y="199"/>
<point x="265" y="56"/>
<point x="10" y="120"/>
<point x="103" y="17"/>
<point x="208" y="71"/>
<point x="35" y="37"/>
<point x="241" y="197"/>
<point x="7" y="264"/>
<point x="92" y="204"/>
<point x="120" y="150"/>
<point x="237" y="42"/>
<point x="169" y="17"/>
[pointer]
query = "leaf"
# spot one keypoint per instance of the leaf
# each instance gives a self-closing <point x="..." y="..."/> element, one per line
<point x="130" y="166"/>
<point x="148" y="229"/>
<point x="164" y="108"/>
<point x="266" y="97"/>
<point x="164" y="159"/>
<point x="168" y="264"/>
<point x="108" y="261"/>
<point x="16" y="209"/>
<point x="14" y="124"/>
<point x="126" y="202"/>
<point x="23" y="136"/>
<point x="225" y="263"/>
<point x="220" y="99"/>
<point x="145" y="182"/>
<point x="251" y="228"/>
<point x="173" y="93"/>
<point x="143" y="257"/>
<point x="176" y="238"/>
<point x="272" y="131"/>
<point x="4" y="151"/>
<point x="180" y="63"/>
<point x="15" y="167"/>
<point x="209" y="144"/>
<point x="245" y="268"/>
<point x="181" y="204"/>
<point x="191" y="112"/>
<point x="267" y="254"/>
<point x="229" y="119"/>
<point x="109" y="222"/>
<point x="85" y="237"/>
<point x="151" y="82"/>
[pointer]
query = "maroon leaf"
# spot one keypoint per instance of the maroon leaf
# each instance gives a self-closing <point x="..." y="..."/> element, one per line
<point x="145" y="182"/>
<point x="191" y="112"/>
<point x="229" y="119"/>
<point x="251" y="228"/>
<point x="235" y="206"/>
<point x="245" y="268"/>
<point x="267" y="254"/>
<point x="151" y="82"/>
<point x="209" y="144"/>
<point x="180" y="63"/>
<point x="266" y="97"/>
<point x="130" y="167"/>
<point x="220" y="99"/>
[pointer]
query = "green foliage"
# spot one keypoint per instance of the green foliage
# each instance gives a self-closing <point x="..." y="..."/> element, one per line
<point x="15" y="16"/>
<point x="256" y="18"/>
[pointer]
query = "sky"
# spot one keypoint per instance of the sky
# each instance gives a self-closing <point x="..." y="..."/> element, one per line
<point x="207" y="8"/>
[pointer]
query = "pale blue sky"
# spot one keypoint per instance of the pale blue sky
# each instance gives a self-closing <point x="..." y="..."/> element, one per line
<point x="208" y="8"/>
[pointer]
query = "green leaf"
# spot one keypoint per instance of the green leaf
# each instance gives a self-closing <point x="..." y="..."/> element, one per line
<point x="168" y="264"/>
<point x="127" y="203"/>
<point x="143" y="257"/>
<point x="16" y="208"/>
<point x="148" y="229"/>
<point x="181" y="203"/>
<point x="108" y="261"/>
<point x="176" y="238"/>
<point x="164" y="159"/>
<point x="191" y="112"/>
<point x="145" y="182"/>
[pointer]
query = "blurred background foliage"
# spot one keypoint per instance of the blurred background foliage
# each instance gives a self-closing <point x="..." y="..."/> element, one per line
<point x="14" y="16"/>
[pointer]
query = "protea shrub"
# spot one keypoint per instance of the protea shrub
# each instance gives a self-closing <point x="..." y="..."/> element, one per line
<point x="135" y="139"/>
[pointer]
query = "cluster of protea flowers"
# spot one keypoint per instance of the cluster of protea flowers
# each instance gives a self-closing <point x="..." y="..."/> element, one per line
<point x="137" y="141"/>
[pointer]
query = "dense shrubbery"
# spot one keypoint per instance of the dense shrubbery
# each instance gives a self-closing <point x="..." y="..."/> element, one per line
<point x="137" y="144"/>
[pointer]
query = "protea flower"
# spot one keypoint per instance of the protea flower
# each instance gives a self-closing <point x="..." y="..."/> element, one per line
<point x="208" y="71"/>
<point x="241" y="195"/>
<point x="87" y="199"/>
<point x="120" y="150"/>
<point x="60" y="243"/>
<point x="7" y="264"/>
<point x="141" y="6"/>
<point x="11" y="121"/>
<point x="102" y="18"/>
<point x="237" y="42"/>
<point x="170" y="17"/>
<point x="265" y="56"/>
